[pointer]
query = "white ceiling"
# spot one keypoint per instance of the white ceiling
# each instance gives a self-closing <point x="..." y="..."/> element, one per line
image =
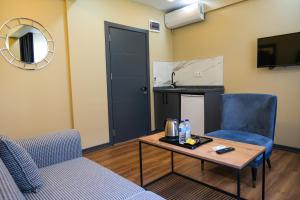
<point x="167" y="6"/>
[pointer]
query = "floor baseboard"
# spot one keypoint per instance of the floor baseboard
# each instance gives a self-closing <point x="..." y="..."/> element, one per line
<point x="155" y="131"/>
<point x="286" y="148"/>
<point x="102" y="146"/>
<point x="275" y="146"/>
<point x="95" y="148"/>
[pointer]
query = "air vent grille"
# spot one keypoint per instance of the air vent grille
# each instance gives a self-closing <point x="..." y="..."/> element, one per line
<point x="154" y="26"/>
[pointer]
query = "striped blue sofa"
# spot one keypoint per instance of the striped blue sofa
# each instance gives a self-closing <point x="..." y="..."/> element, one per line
<point x="69" y="176"/>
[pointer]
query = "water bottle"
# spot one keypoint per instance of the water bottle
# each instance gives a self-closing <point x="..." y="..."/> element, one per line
<point x="181" y="130"/>
<point x="187" y="129"/>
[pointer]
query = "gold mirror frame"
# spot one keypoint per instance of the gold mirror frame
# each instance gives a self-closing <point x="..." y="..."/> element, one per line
<point x="10" y="58"/>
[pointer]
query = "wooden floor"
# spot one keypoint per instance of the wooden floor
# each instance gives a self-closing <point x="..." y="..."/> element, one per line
<point x="282" y="181"/>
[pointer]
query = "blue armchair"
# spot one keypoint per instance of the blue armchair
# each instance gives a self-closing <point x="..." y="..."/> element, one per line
<point x="249" y="118"/>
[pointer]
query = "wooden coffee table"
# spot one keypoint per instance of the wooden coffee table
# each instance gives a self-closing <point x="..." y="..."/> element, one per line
<point x="237" y="160"/>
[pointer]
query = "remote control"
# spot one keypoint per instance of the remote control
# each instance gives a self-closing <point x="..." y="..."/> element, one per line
<point x="225" y="150"/>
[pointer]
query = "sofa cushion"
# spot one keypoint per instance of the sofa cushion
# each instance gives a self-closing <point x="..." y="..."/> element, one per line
<point x="20" y="165"/>
<point x="8" y="188"/>
<point x="81" y="178"/>
<point x="146" y="196"/>
<point x="246" y="137"/>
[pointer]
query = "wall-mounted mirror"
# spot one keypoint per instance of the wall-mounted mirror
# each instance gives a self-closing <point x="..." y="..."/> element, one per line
<point x="26" y="44"/>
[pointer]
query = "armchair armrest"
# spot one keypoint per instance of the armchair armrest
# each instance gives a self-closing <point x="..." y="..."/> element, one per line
<point x="54" y="147"/>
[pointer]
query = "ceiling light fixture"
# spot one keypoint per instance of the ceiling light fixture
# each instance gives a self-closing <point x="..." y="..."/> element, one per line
<point x="187" y="2"/>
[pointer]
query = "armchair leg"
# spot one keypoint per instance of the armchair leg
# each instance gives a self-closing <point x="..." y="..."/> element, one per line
<point x="254" y="175"/>
<point x="269" y="163"/>
<point x="202" y="165"/>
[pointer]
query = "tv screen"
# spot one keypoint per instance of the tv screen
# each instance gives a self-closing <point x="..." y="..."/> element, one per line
<point x="279" y="51"/>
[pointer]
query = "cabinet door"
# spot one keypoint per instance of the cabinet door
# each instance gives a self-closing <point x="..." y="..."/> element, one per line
<point x="212" y="104"/>
<point x="166" y="105"/>
<point x="172" y="109"/>
<point x="159" y="109"/>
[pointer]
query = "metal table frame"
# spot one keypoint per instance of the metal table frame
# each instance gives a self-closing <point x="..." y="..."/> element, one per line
<point x="238" y="172"/>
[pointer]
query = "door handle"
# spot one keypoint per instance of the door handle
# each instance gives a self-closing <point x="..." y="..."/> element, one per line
<point x="144" y="90"/>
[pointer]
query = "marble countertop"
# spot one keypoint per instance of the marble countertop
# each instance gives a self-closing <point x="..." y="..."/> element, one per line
<point x="189" y="89"/>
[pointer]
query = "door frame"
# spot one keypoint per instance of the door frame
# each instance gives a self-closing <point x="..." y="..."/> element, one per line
<point x="107" y="26"/>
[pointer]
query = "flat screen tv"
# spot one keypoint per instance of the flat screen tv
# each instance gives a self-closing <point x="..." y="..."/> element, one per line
<point x="279" y="51"/>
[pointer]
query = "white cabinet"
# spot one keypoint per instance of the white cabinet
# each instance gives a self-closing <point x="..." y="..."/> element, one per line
<point x="192" y="108"/>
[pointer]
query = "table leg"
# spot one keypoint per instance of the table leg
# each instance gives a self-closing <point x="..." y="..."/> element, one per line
<point x="172" y="161"/>
<point x="141" y="163"/>
<point x="202" y="165"/>
<point x="238" y="185"/>
<point x="263" y="175"/>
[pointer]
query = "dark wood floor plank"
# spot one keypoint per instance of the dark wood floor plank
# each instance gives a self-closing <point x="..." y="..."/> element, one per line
<point x="282" y="181"/>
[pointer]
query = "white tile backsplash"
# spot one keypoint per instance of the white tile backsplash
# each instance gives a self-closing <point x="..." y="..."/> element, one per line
<point x="162" y="73"/>
<point x="194" y="72"/>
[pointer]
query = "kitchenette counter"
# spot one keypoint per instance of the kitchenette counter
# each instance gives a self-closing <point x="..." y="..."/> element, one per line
<point x="189" y="89"/>
<point x="189" y="102"/>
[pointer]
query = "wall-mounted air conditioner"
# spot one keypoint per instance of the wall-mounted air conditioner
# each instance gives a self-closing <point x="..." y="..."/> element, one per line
<point x="186" y="15"/>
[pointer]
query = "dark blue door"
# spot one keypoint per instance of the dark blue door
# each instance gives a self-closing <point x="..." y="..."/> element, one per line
<point x="129" y="83"/>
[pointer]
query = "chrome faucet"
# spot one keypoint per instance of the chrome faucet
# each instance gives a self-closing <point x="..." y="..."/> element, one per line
<point x="173" y="84"/>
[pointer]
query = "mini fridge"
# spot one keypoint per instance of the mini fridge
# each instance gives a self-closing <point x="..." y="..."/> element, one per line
<point x="192" y="108"/>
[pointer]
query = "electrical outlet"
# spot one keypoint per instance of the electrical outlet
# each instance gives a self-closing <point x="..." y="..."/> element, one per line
<point x="198" y="74"/>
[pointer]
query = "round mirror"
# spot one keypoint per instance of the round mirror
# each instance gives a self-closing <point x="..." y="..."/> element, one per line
<point x="27" y="44"/>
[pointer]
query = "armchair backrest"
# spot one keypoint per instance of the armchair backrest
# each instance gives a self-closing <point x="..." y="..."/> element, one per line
<point x="250" y="112"/>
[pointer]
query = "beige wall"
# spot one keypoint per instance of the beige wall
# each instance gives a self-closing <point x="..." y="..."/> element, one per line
<point x="233" y="32"/>
<point x="87" y="53"/>
<point x="34" y="102"/>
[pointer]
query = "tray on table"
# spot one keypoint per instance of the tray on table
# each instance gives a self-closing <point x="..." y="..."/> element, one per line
<point x="202" y="140"/>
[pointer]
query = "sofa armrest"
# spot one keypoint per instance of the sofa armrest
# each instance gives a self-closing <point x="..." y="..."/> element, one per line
<point x="54" y="147"/>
